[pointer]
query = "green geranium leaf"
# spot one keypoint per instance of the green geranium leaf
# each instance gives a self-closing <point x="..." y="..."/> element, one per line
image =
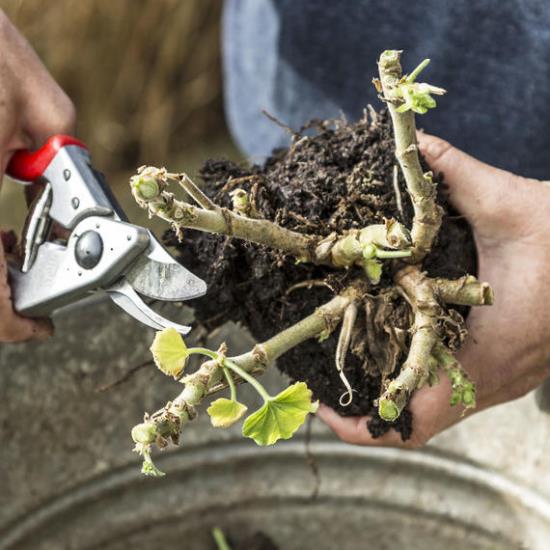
<point x="280" y="416"/>
<point x="225" y="412"/>
<point x="169" y="352"/>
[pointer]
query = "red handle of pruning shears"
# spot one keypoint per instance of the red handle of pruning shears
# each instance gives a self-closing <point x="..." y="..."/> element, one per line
<point x="28" y="166"/>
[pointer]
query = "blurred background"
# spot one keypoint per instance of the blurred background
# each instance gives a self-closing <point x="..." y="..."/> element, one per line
<point x="145" y="77"/>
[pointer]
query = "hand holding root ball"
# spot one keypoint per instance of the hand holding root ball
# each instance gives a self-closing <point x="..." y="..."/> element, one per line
<point x="345" y="247"/>
<point x="507" y="353"/>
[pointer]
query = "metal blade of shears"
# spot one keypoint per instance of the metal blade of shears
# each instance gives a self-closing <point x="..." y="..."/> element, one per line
<point x="157" y="275"/>
<point x="124" y="296"/>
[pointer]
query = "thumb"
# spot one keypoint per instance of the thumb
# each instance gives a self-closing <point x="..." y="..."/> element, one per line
<point x="486" y="195"/>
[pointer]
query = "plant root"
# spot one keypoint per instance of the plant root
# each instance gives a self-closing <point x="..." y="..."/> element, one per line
<point x="348" y="322"/>
<point x="427" y="351"/>
<point x="414" y="371"/>
<point x="398" y="199"/>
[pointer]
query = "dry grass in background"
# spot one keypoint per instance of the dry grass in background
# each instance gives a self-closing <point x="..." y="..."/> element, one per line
<point x="143" y="74"/>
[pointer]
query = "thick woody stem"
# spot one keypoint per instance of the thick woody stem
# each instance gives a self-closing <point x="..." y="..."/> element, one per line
<point x="149" y="189"/>
<point x="168" y="422"/>
<point x="466" y="291"/>
<point x="416" y="368"/>
<point x="422" y="190"/>
<point x="225" y="222"/>
<point x="320" y="323"/>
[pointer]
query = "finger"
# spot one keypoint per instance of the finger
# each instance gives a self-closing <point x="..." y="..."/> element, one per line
<point x="32" y="192"/>
<point x="353" y="429"/>
<point x="431" y="411"/>
<point x="13" y="327"/>
<point x="486" y="195"/>
<point x="48" y="114"/>
<point x="16" y="329"/>
<point x="46" y="109"/>
<point x="8" y="240"/>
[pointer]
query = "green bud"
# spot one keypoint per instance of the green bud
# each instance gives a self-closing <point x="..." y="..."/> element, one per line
<point x="369" y="251"/>
<point x="239" y="198"/>
<point x="469" y="397"/>
<point x="149" y="469"/>
<point x="144" y="433"/>
<point x="373" y="270"/>
<point x="346" y="251"/>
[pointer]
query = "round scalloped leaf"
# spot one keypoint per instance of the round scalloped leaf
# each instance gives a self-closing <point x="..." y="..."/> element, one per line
<point x="225" y="412"/>
<point x="281" y="416"/>
<point x="169" y="352"/>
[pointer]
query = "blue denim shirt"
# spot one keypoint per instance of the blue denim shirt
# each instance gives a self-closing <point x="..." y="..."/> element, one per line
<point x="316" y="58"/>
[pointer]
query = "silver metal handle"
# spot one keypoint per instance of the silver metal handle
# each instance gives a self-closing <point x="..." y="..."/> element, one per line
<point x="60" y="275"/>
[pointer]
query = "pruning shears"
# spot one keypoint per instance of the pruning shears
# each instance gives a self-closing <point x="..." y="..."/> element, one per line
<point x="103" y="253"/>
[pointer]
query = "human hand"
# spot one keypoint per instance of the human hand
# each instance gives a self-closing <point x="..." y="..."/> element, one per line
<point x="507" y="352"/>
<point x="32" y="108"/>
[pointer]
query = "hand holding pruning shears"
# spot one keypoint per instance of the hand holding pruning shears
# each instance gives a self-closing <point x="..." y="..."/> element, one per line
<point x="32" y="107"/>
<point x="102" y="252"/>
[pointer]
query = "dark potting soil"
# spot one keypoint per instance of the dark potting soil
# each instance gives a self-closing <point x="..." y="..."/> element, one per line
<point x="335" y="176"/>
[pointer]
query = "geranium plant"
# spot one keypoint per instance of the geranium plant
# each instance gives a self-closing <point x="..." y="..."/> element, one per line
<point x="395" y="314"/>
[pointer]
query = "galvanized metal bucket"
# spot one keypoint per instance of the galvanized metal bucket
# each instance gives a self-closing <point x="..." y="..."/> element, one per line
<point x="69" y="479"/>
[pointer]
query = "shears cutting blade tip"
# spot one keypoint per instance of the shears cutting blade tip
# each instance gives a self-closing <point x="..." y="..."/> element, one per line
<point x="157" y="275"/>
<point x="124" y="296"/>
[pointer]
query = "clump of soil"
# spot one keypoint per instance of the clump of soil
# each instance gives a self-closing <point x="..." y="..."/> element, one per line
<point x="335" y="176"/>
